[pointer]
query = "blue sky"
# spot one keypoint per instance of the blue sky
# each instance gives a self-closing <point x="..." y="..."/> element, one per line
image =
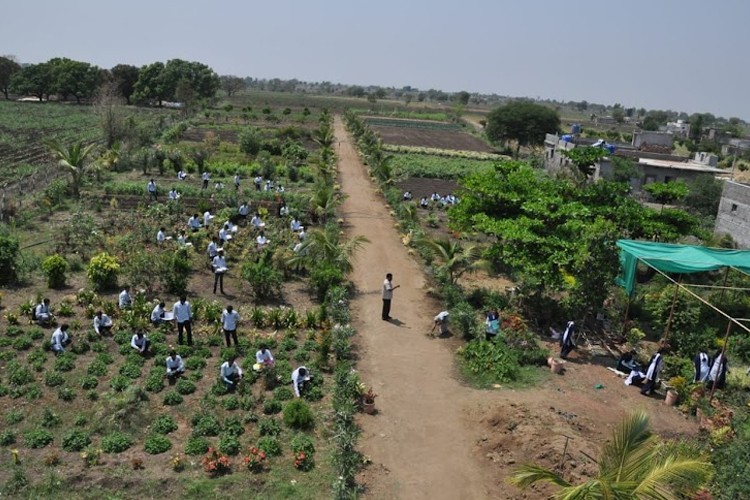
<point x="685" y="55"/>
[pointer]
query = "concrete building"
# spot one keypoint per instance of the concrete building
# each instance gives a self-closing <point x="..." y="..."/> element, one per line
<point x="680" y="128"/>
<point x="645" y="138"/>
<point x="736" y="146"/>
<point x="733" y="217"/>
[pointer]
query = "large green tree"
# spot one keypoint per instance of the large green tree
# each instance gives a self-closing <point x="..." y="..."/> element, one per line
<point x="8" y="67"/>
<point x="76" y="78"/>
<point x="231" y="84"/>
<point x="35" y="79"/>
<point x="634" y="465"/>
<point x="526" y="123"/>
<point x="124" y="77"/>
<point x="160" y="82"/>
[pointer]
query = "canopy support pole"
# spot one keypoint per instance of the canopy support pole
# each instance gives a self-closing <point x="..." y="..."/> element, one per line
<point x="671" y="312"/>
<point x="723" y="356"/>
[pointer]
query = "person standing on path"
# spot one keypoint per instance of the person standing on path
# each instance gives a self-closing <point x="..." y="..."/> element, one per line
<point x="387" y="296"/>
<point x="183" y="317"/>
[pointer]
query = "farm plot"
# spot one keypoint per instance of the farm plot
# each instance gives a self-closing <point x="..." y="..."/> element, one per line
<point x="425" y="133"/>
<point x="433" y="166"/>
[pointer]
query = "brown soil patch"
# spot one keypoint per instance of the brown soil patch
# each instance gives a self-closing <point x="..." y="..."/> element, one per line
<point x="441" y="139"/>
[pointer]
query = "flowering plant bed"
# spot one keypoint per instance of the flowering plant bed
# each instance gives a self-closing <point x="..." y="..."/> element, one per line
<point x="215" y="463"/>
<point x="255" y="460"/>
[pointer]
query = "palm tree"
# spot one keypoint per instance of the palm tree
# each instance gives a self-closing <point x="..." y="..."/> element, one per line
<point x="454" y="258"/>
<point x="325" y="246"/>
<point x="107" y="161"/>
<point x="72" y="158"/>
<point x="634" y="465"/>
<point x="324" y="200"/>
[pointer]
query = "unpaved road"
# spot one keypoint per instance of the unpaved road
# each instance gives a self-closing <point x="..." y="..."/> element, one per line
<point x="435" y="438"/>
<point x="418" y="438"/>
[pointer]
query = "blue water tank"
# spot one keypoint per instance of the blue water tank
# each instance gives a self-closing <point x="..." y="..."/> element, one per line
<point x="567" y="138"/>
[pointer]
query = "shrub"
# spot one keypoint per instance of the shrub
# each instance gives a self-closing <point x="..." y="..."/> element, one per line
<point x="269" y="427"/>
<point x="119" y="383"/>
<point x="7" y="438"/>
<point x="80" y="421"/>
<point x="315" y="393"/>
<point x="18" y="375"/>
<point x="97" y="368"/>
<point x="80" y="347"/>
<point x="206" y="425"/>
<point x="156" y="443"/>
<point x="250" y="141"/>
<point x="14" y="416"/>
<point x="172" y="399"/>
<point x="155" y="381"/>
<point x="53" y="379"/>
<point x="231" y="403"/>
<point x="297" y="415"/>
<point x="303" y="443"/>
<point x="178" y="272"/>
<point x="50" y="419"/>
<point x="196" y="445"/>
<point x="66" y="394"/>
<point x="65" y="362"/>
<point x="75" y="440"/>
<point x="130" y="370"/>
<point x="116" y="442"/>
<point x="282" y="393"/>
<point x="103" y="271"/>
<point x="185" y="387"/>
<point x="233" y="426"/>
<point x="271" y="407"/>
<point x="270" y="445"/>
<point x="264" y="279"/>
<point x="9" y="256"/>
<point x="164" y="424"/>
<point x="23" y="343"/>
<point x="195" y="363"/>
<point x="37" y="438"/>
<point x="89" y="382"/>
<point x="229" y="445"/>
<point x="491" y="361"/>
<point x="323" y="278"/>
<point x="33" y="391"/>
<point x="55" y="267"/>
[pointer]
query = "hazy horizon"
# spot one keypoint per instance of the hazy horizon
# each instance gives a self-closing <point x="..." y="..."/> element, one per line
<point x="679" y="55"/>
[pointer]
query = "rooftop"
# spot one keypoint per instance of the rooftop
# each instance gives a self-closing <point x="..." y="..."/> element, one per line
<point x="682" y="165"/>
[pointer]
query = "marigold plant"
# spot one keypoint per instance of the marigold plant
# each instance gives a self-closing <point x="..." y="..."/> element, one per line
<point x="215" y="463"/>
<point x="255" y="460"/>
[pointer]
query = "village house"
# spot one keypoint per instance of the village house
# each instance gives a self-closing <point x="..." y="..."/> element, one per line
<point x="733" y="217"/>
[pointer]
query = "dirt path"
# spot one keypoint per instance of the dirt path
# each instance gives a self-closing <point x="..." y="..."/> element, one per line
<point x="419" y="438"/>
<point x="435" y="438"/>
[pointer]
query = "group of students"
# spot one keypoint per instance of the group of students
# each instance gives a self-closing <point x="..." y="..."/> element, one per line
<point x="231" y="373"/>
<point x="707" y="370"/>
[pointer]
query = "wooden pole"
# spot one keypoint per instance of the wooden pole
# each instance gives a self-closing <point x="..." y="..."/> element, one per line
<point x="671" y="312"/>
<point x="722" y="355"/>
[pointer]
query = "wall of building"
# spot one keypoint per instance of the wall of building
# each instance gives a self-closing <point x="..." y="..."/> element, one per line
<point x="653" y="138"/>
<point x="733" y="217"/>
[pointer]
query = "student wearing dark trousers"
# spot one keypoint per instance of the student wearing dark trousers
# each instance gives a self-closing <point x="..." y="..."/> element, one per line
<point x="387" y="294"/>
<point x="183" y="316"/>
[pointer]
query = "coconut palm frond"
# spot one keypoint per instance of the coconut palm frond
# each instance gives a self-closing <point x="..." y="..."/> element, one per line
<point x="629" y="449"/>
<point x="673" y="474"/>
<point x="529" y="474"/>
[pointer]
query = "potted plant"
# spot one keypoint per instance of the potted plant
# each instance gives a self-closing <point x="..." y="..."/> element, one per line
<point x="368" y="401"/>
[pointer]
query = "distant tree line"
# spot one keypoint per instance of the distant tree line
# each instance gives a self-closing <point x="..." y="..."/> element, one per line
<point x="152" y="84"/>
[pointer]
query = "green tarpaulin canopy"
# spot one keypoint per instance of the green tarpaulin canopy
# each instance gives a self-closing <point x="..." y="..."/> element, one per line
<point x="670" y="258"/>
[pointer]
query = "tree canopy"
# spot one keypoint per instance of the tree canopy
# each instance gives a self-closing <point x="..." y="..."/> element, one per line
<point x="34" y="79"/>
<point x="124" y="77"/>
<point x="231" y="84"/>
<point x="8" y="67"/>
<point x="160" y="82"/>
<point x="523" y="122"/>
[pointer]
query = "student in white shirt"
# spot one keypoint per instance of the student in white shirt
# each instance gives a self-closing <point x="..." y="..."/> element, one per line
<point x="220" y="268"/>
<point x="219" y="186"/>
<point x="423" y="202"/>
<point x="124" y="300"/>
<point x="194" y="223"/>
<point x="207" y="218"/>
<point x="206" y="177"/>
<point x="244" y="211"/>
<point x="258" y="181"/>
<point x="407" y="196"/>
<point x="295" y="225"/>
<point x="182" y="239"/>
<point x="152" y="191"/>
<point x="237" y="182"/>
<point x="264" y="357"/>
<point x="140" y="343"/>
<point x="269" y="185"/>
<point x="256" y="221"/>
<point x="102" y="323"/>
<point x="280" y="188"/>
<point x="60" y="339"/>
<point x="229" y="320"/>
<point x="161" y="236"/>
<point x="181" y="175"/>
<point x="157" y="315"/>
<point x="302" y="234"/>
<point x="42" y="313"/>
<point x="183" y="317"/>
<point x="212" y="250"/>
<point x="175" y="366"/>
<point x="261" y="239"/>
<point x="174" y="195"/>
<point x="283" y="210"/>
<point x="299" y="377"/>
<point x="224" y="235"/>
<point x="231" y="373"/>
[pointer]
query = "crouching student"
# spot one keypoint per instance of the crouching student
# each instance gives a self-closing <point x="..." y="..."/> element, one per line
<point x="60" y="339"/>
<point x="140" y="343"/>
<point x="102" y="323"/>
<point x="175" y="366"/>
<point x="231" y="373"/>
<point x="300" y="377"/>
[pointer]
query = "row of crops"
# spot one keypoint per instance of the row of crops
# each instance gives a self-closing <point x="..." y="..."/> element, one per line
<point x="427" y="125"/>
<point x="436" y="167"/>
